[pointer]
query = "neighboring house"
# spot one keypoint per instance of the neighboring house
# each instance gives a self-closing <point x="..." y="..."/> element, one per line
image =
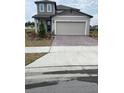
<point x="60" y="19"/>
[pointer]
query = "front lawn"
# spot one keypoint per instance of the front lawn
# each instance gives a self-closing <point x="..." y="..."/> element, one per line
<point x="32" y="41"/>
<point x="94" y="34"/>
<point x="41" y="42"/>
<point x="30" y="57"/>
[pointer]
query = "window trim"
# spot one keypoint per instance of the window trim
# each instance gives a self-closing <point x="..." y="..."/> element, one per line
<point x="41" y="5"/>
<point x="50" y="8"/>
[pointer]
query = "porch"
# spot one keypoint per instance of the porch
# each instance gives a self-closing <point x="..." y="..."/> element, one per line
<point x="46" y="21"/>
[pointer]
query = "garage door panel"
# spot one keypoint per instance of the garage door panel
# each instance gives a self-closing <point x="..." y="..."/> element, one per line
<point x="70" y="28"/>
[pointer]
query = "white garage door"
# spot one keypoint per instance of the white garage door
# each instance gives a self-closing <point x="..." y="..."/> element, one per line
<point x="70" y="28"/>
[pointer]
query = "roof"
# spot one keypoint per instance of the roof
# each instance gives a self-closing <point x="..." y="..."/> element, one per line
<point x="44" y="1"/>
<point x="66" y="12"/>
<point x="63" y="7"/>
<point x="73" y="12"/>
<point x="41" y="16"/>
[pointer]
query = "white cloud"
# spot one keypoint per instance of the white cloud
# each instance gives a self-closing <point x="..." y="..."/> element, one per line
<point x="94" y="20"/>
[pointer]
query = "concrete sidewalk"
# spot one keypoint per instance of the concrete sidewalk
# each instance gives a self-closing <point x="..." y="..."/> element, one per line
<point x="56" y="49"/>
<point x="43" y="49"/>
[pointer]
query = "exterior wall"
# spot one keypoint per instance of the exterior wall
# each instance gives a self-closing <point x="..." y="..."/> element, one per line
<point x="45" y="11"/>
<point x="85" y="18"/>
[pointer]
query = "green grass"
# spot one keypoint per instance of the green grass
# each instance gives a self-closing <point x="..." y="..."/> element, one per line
<point x="94" y="34"/>
<point x="30" y="57"/>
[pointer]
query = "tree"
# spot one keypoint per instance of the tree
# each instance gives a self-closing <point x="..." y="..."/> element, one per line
<point x="27" y="23"/>
<point x="32" y="24"/>
<point x="42" y="31"/>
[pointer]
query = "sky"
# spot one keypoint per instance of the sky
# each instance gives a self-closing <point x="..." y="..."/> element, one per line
<point x="86" y="6"/>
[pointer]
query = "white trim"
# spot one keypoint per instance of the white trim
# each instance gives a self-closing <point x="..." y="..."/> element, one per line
<point x="72" y="21"/>
<point x="41" y="5"/>
<point x="36" y="27"/>
<point x="50" y="7"/>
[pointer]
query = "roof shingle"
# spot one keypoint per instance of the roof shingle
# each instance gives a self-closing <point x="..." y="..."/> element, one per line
<point x="63" y="7"/>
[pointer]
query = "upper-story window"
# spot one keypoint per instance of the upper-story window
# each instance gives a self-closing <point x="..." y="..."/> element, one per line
<point x="41" y="7"/>
<point x="49" y="7"/>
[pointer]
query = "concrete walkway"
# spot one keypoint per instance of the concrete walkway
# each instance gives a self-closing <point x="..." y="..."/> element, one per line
<point x="67" y="49"/>
<point x="44" y="49"/>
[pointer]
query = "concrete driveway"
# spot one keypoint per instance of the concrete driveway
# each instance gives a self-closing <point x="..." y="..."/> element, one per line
<point x="74" y="41"/>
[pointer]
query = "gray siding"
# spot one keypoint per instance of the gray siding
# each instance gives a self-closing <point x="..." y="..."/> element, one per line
<point x="45" y="7"/>
<point x="72" y="18"/>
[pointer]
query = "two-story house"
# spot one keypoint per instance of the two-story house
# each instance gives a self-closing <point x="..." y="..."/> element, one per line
<point x="60" y="19"/>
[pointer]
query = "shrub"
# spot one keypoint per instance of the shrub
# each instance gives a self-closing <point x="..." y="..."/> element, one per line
<point x="42" y="31"/>
<point x="31" y="35"/>
<point x="93" y="33"/>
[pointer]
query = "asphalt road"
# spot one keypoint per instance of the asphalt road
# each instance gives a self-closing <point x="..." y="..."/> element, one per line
<point x="79" y="84"/>
<point x="72" y="86"/>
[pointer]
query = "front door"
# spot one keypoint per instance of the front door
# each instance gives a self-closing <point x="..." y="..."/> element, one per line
<point x="48" y="25"/>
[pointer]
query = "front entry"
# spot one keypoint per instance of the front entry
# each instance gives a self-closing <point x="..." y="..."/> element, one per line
<point x="48" y="25"/>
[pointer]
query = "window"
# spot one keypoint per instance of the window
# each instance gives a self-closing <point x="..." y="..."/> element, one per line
<point x="41" y="7"/>
<point x="49" y="7"/>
